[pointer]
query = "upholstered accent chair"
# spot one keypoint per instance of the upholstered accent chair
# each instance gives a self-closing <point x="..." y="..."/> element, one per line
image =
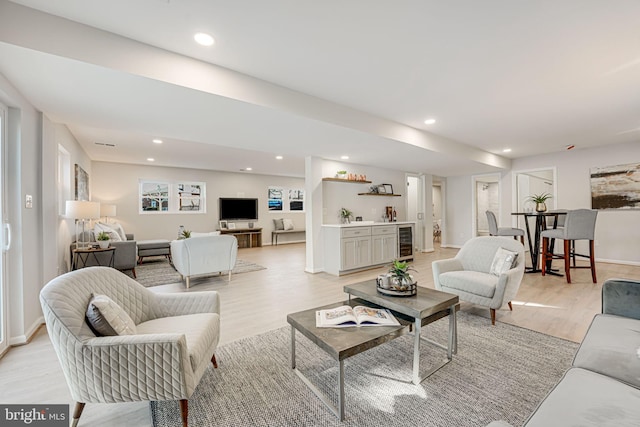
<point x="204" y="255"/>
<point x="470" y="274"/>
<point x="173" y="344"/>
<point x="579" y="224"/>
<point x="494" y="230"/>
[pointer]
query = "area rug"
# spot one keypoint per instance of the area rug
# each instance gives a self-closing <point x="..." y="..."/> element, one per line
<point x="500" y="372"/>
<point x="158" y="271"/>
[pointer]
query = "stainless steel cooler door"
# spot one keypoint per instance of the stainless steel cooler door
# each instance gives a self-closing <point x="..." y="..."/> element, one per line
<point x="405" y="242"/>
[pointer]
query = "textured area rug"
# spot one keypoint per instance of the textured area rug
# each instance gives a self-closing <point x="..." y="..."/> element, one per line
<point x="500" y="372"/>
<point x="158" y="271"/>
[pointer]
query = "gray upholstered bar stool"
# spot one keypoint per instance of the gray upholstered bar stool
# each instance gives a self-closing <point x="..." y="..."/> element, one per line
<point x="580" y="224"/>
<point x="494" y="230"/>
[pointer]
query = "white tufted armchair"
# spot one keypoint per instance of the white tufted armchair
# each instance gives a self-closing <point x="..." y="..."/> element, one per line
<point x="176" y="337"/>
<point x="204" y="254"/>
<point x="467" y="275"/>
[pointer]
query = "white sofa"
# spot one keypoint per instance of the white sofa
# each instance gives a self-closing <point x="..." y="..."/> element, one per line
<point x="204" y="255"/>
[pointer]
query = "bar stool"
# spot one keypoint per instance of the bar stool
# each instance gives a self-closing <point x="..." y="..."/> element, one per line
<point x="494" y="230"/>
<point x="580" y="224"/>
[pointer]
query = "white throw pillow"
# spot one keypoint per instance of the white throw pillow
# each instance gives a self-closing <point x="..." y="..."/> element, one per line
<point x="287" y="223"/>
<point x="113" y="234"/>
<point x="503" y="261"/>
<point x="107" y="318"/>
<point x="118" y="228"/>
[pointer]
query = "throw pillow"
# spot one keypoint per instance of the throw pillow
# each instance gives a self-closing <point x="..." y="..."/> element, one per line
<point x="118" y="228"/>
<point x="503" y="261"/>
<point x="107" y="318"/>
<point x="278" y="224"/>
<point x="287" y="224"/>
<point x="113" y="234"/>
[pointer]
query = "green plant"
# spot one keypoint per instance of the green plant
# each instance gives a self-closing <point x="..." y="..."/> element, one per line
<point x="185" y="234"/>
<point x="341" y="172"/>
<point x="540" y="198"/>
<point x="345" y="213"/>
<point x="400" y="270"/>
<point x="102" y="236"/>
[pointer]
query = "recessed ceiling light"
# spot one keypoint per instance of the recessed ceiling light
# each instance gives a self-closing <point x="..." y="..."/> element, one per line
<point x="150" y="159"/>
<point x="429" y="121"/>
<point x="157" y="141"/>
<point x="203" y="39"/>
<point x="279" y="157"/>
<point x="344" y="157"/>
<point x="506" y="150"/>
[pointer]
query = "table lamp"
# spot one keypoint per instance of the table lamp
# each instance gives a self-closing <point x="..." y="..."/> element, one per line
<point x="107" y="210"/>
<point x="82" y="211"/>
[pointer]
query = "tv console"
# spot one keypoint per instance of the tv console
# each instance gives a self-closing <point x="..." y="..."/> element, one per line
<point x="247" y="237"/>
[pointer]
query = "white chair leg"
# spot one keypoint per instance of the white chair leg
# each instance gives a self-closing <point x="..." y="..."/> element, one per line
<point x="187" y="282"/>
<point x="229" y="275"/>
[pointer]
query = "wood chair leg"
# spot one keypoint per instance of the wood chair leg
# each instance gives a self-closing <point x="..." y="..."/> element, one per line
<point x="567" y="260"/>
<point x="184" y="412"/>
<point x="522" y="240"/>
<point x="77" y="411"/>
<point x="510" y="306"/>
<point x="493" y="316"/>
<point x="133" y="270"/>
<point x="592" y="260"/>
<point x="214" y="361"/>
<point x="545" y="245"/>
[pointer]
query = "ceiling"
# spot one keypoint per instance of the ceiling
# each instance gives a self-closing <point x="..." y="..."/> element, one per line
<point x="300" y="78"/>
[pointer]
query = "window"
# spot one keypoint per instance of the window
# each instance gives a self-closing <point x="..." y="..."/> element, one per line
<point x="172" y="197"/>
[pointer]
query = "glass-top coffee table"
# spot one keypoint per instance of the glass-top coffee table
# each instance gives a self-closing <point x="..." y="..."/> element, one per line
<point x="427" y="306"/>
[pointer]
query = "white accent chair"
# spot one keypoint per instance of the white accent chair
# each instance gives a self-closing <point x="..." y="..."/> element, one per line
<point x="467" y="275"/>
<point x="204" y="255"/>
<point x="176" y="336"/>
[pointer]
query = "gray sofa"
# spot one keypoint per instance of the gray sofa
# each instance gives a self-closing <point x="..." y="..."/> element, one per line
<point x="125" y="256"/>
<point x="602" y="387"/>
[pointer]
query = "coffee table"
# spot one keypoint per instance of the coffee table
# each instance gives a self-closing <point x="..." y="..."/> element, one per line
<point x="427" y="306"/>
<point x="339" y="343"/>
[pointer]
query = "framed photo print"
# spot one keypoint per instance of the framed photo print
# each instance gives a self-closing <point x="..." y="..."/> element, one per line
<point x="381" y="189"/>
<point x="388" y="188"/>
<point x="223" y="225"/>
<point x="231" y="225"/>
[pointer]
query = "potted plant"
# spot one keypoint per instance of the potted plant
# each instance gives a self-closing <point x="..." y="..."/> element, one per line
<point x="184" y="234"/>
<point x="539" y="200"/>
<point x="103" y="240"/>
<point x="341" y="174"/>
<point x="400" y="278"/>
<point x="345" y="215"/>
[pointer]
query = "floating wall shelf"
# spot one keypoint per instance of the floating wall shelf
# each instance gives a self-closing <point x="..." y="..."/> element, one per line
<point x="355" y="181"/>
<point x="378" y="194"/>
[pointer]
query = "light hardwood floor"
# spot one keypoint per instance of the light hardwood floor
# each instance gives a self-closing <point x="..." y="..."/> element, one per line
<point x="259" y="301"/>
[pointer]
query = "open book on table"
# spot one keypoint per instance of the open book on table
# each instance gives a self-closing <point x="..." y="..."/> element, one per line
<point x="345" y="315"/>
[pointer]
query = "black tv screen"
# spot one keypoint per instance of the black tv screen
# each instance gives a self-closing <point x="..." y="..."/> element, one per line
<point x="238" y="209"/>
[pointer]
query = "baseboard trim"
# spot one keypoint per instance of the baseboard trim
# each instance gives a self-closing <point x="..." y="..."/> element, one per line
<point x="617" y="261"/>
<point x="287" y="242"/>
<point x="451" y="246"/>
<point x="28" y="336"/>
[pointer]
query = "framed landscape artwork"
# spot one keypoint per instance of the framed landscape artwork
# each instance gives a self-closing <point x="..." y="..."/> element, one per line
<point x="616" y="187"/>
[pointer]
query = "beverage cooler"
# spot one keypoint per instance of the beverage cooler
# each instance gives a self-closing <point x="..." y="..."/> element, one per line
<point x="405" y="242"/>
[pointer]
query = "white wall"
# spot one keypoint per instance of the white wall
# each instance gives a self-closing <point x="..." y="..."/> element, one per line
<point x="617" y="231"/>
<point x="343" y="194"/>
<point x="118" y="184"/>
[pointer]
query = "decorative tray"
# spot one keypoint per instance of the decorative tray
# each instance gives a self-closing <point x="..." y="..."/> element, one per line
<point x="411" y="290"/>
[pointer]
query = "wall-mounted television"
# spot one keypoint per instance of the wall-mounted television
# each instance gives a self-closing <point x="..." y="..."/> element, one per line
<point x="238" y="209"/>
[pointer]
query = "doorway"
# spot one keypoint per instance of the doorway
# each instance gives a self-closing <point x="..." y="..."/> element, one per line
<point x="415" y="210"/>
<point x="486" y="197"/>
<point x="529" y="182"/>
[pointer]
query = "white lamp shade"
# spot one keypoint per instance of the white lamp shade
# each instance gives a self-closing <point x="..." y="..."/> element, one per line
<point x="107" y="210"/>
<point x="82" y="209"/>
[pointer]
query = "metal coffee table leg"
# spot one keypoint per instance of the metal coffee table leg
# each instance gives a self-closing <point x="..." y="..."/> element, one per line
<point x="338" y="412"/>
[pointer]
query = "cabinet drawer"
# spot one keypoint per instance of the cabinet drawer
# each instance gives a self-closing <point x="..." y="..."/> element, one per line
<point x="356" y="231"/>
<point x="384" y="229"/>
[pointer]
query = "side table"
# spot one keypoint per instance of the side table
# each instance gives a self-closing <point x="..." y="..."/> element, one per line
<point x="82" y="256"/>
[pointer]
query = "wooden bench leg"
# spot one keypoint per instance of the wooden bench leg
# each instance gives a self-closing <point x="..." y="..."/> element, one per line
<point x="184" y="412"/>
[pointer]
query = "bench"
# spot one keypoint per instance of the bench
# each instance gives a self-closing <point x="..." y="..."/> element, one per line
<point x="276" y="233"/>
<point x="153" y="248"/>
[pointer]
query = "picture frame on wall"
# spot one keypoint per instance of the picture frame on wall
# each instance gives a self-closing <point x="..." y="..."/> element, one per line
<point x="223" y="225"/>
